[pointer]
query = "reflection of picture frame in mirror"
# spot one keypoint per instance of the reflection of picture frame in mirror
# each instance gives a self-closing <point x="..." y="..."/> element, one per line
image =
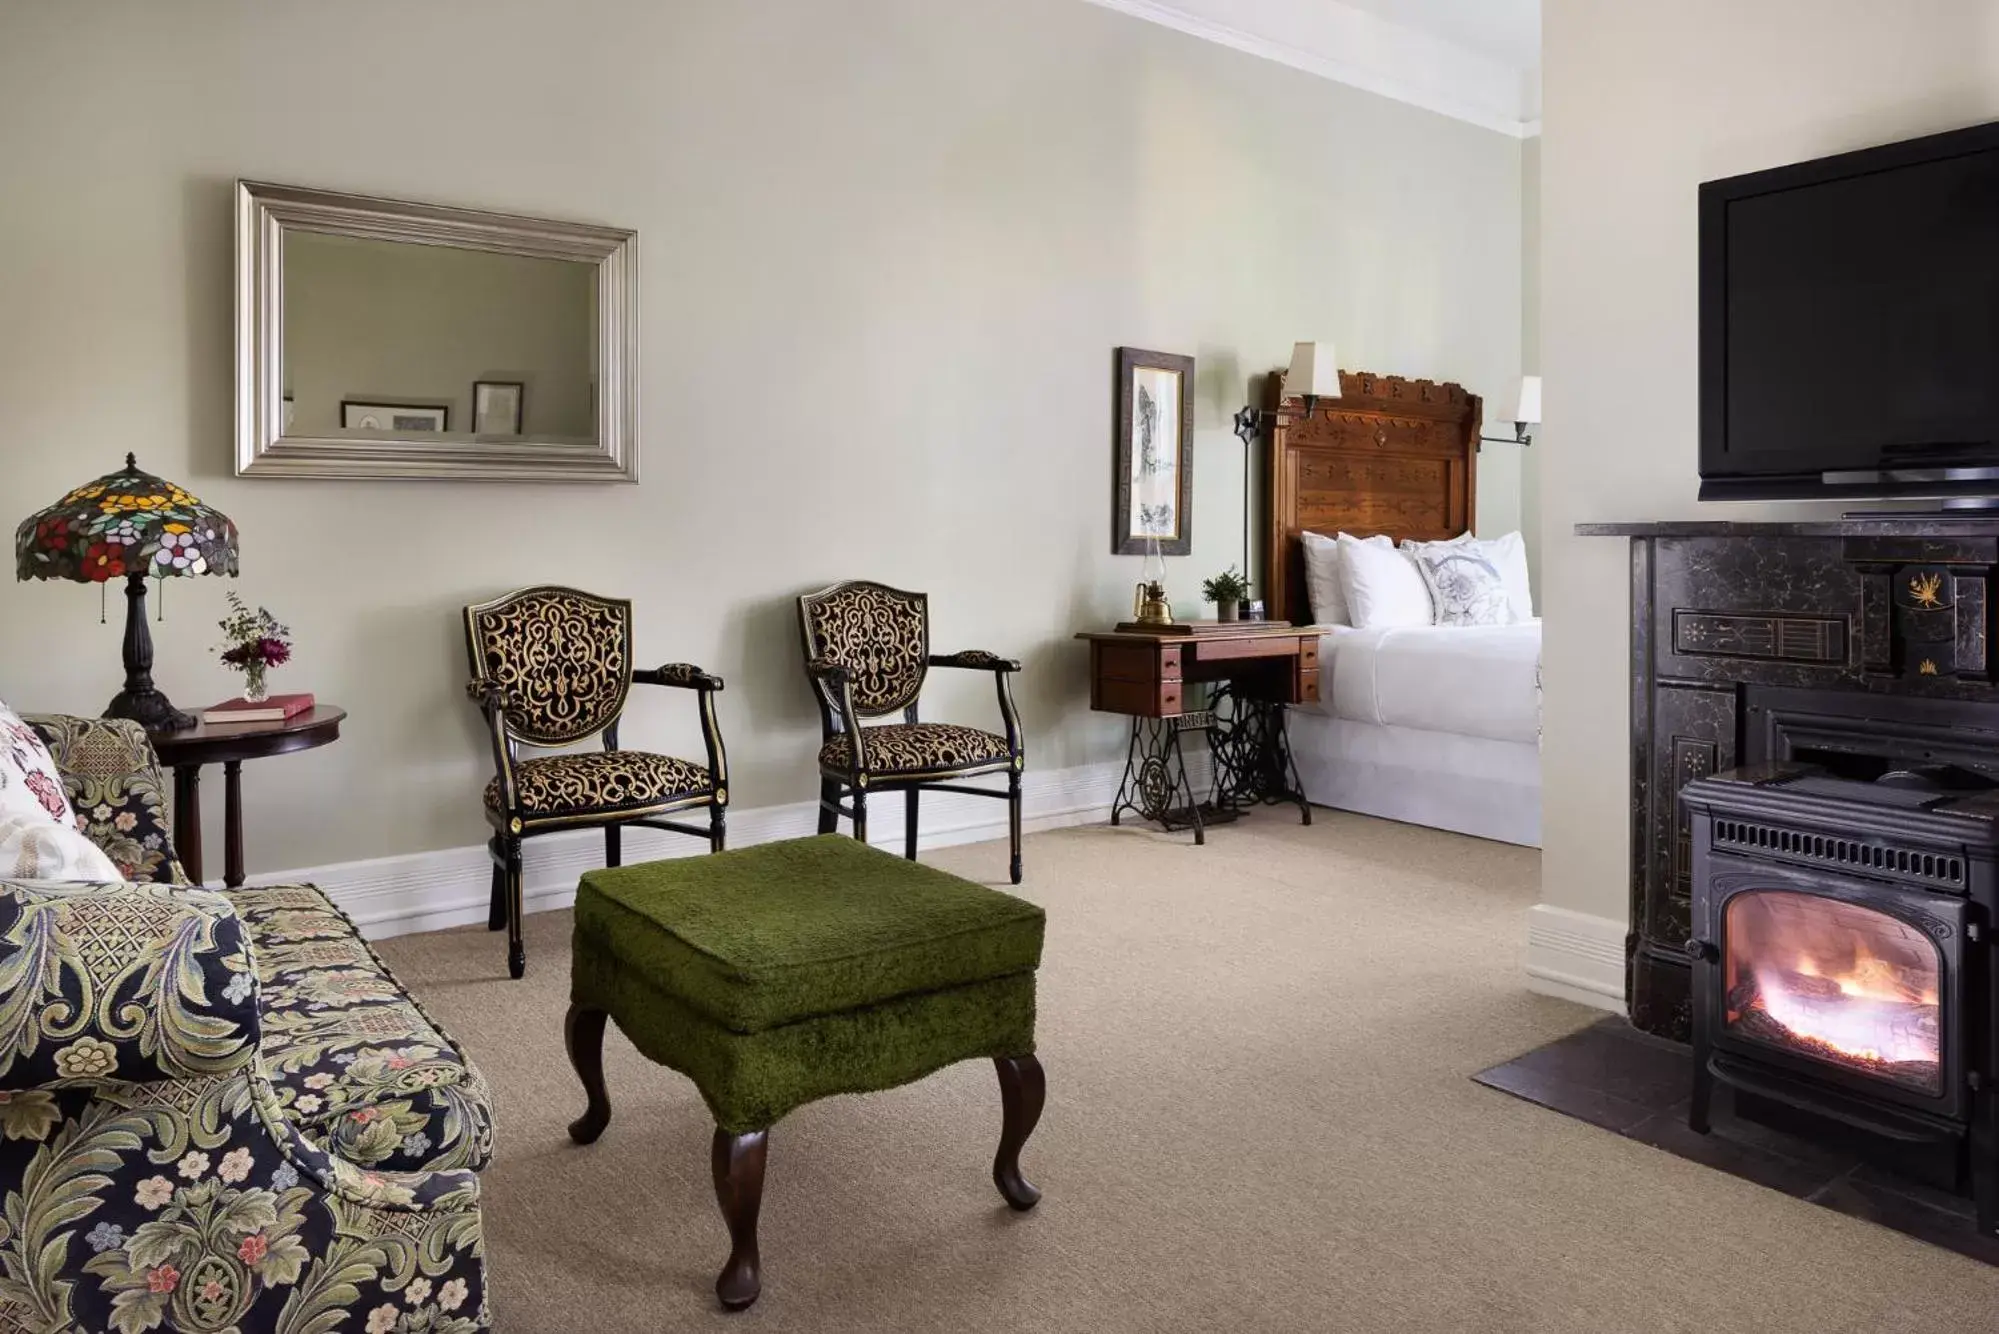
<point x="362" y="415"/>
<point x="497" y="406"/>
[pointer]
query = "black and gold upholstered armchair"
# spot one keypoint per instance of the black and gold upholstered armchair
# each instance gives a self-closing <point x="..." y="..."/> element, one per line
<point x="867" y="650"/>
<point x="552" y="666"/>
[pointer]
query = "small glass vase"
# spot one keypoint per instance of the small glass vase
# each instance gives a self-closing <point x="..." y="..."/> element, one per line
<point x="255" y="688"/>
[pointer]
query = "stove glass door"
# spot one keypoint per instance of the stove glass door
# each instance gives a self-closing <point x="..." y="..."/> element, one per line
<point x="1834" y="981"/>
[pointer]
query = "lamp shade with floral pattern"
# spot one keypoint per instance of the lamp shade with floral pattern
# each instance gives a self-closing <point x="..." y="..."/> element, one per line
<point x="125" y="523"/>
<point x="128" y="525"/>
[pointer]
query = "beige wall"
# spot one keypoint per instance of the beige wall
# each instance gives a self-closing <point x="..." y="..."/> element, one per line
<point x="387" y="322"/>
<point x="1641" y="104"/>
<point x="888" y="248"/>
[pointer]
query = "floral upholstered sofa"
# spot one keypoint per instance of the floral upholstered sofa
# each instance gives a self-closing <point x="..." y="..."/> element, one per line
<point x="218" y="1111"/>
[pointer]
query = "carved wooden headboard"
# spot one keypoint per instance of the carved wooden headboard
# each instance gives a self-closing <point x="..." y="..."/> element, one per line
<point x="1388" y="455"/>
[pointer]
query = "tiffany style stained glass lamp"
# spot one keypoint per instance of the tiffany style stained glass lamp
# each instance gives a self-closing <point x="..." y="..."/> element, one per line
<point x="133" y="524"/>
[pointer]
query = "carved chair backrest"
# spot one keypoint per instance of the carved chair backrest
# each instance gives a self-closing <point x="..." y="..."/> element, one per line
<point x="564" y="657"/>
<point x="881" y="635"/>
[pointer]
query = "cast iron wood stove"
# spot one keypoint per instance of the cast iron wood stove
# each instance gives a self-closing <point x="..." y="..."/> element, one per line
<point x="1840" y="948"/>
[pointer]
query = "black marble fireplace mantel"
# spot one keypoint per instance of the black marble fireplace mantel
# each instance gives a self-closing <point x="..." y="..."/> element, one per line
<point x="1772" y="641"/>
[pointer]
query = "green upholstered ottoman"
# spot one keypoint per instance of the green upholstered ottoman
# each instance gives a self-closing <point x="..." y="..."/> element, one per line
<point x="792" y="971"/>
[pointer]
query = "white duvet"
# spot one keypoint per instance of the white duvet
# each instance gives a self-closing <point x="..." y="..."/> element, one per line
<point x="1469" y="680"/>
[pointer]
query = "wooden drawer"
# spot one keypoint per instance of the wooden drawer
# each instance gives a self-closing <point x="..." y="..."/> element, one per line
<point x="1145" y="699"/>
<point x="1308" y="687"/>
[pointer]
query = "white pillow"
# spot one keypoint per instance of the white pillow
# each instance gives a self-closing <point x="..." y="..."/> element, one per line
<point x="1509" y="555"/>
<point x="30" y="783"/>
<point x="1322" y="578"/>
<point x="1382" y="585"/>
<point x="39" y="837"/>
<point x="41" y="849"/>
<point x="1464" y="583"/>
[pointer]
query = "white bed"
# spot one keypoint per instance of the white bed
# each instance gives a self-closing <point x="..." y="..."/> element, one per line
<point x="1435" y="725"/>
<point x="1432" y="724"/>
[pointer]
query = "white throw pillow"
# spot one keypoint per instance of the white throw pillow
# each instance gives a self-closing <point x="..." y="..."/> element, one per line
<point x="1382" y="585"/>
<point x="40" y="849"/>
<point x="39" y="836"/>
<point x="1509" y="555"/>
<point x="1323" y="584"/>
<point x="1464" y="583"/>
<point x="29" y="780"/>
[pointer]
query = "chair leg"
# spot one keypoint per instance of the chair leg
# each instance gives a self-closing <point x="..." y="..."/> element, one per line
<point x="737" y="1162"/>
<point x="909" y="822"/>
<point x="1023" y="1090"/>
<point x="1013" y="822"/>
<point x="583" y="1036"/>
<point x="496" y="913"/>
<point x="614" y="845"/>
<point x="829" y="805"/>
<point x="517" y="952"/>
<point x="861" y="814"/>
<point x="718" y="828"/>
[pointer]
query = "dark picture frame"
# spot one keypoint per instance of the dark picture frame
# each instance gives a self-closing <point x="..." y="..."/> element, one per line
<point x="394" y="418"/>
<point x="520" y="392"/>
<point x="1152" y="491"/>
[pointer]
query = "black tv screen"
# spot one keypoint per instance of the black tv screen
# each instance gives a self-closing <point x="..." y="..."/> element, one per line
<point x="1849" y="330"/>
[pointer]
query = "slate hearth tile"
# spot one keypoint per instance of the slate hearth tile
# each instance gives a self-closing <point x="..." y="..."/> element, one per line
<point x="1859" y="1196"/>
<point x="1744" y="1149"/>
<point x="1609" y="1058"/>
<point x="1636" y="1085"/>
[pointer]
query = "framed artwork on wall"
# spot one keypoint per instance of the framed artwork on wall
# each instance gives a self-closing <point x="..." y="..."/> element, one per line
<point x="361" y="415"/>
<point x="1152" y="495"/>
<point x="496" y="406"/>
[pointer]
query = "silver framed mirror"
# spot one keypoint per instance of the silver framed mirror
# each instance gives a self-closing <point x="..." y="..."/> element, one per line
<point x="387" y="339"/>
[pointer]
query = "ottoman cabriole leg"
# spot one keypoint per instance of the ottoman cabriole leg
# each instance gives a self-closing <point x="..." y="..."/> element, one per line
<point x="1023" y="1090"/>
<point x="583" y="1036"/>
<point x="738" y="1162"/>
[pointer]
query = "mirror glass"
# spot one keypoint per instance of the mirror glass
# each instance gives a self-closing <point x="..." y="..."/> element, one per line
<point x="398" y="339"/>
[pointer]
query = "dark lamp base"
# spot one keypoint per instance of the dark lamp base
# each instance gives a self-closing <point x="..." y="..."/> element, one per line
<point x="151" y="709"/>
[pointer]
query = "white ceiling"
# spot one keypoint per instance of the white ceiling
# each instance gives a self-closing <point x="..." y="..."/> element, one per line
<point x="1476" y="60"/>
<point x="1506" y="30"/>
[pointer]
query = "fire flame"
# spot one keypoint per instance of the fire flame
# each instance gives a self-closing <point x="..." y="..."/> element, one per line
<point x="1873" y="1017"/>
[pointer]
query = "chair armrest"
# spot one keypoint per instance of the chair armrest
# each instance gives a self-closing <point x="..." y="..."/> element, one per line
<point x="126" y="983"/>
<point x="684" y="675"/>
<point x="825" y="669"/>
<point x="488" y="694"/>
<point x="837" y="684"/>
<point x="977" y="659"/>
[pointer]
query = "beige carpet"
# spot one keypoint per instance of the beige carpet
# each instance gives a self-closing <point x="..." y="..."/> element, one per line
<point x="1260" y="1117"/>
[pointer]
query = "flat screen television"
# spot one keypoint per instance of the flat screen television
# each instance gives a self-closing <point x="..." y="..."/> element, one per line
<point x="1849" y="326"/>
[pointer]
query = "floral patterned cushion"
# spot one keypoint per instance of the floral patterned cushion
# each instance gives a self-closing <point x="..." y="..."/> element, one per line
<point x="355" y="1063"/>
<point x="896" y="748"/>
<point x="113" y="781"/>
<point x="600" y="780"/>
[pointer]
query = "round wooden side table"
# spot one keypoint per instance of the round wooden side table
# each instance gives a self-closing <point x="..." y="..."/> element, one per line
<point x="229" y="744"/>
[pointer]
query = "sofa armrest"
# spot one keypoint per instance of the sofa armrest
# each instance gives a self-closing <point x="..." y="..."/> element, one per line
<point x="113" y="780"/>
<point x="130" y="983"/>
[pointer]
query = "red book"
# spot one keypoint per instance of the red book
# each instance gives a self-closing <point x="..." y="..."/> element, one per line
<point x="273" y="709"/>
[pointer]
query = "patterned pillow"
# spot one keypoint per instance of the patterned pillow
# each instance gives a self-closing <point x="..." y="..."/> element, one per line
<point x="39" y="835"/>
<point x="33" y="848"/>
<point x="30" y="783"/>
<point x="1465" y="584"/>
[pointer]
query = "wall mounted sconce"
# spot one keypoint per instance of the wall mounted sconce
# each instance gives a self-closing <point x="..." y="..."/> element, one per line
<point x="1527" y="414"/>
<point x="1314" y="374"/>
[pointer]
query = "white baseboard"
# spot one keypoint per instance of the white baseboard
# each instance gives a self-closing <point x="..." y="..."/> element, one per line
<point x="427" y="891"/>
<point x="1576" y="956"/>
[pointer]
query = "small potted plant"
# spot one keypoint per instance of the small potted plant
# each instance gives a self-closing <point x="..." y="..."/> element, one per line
<point x="1226" y="590"/>
<point x="254" y="642"/>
